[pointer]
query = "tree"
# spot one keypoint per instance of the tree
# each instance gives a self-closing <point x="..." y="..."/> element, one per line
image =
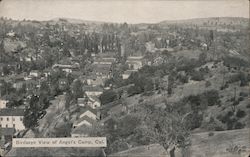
<point x="108" y="96"/>
<point x="76" y="89"/>
<point x="166" y="128"/>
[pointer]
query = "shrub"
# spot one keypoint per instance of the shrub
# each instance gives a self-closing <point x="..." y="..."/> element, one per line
<point x="241" y="99"/>
<point x="197" y="76"/>
<point x="230" y="123"/>
<point x="248" y="105"/>
<point x="208" y="83"/>
<point x="240" y="114"/>
<point x="219" y="128"/>
<point x="239" y="125"/>
<point x="243" y="94"/>
<point x="108" y="96"/>
<point x="210" y="134"/>
<point x="212" y="97"/>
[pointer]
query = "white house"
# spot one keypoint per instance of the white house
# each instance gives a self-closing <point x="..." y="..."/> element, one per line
<point x="3" y="103"/>
<point x="93" y="102"/>
<point x="85" y="120"/>
<point x="89" y="113"/>
<point x="135" y="62"/>
<point x="34" y="73"/>
<point x="12" y="118"/>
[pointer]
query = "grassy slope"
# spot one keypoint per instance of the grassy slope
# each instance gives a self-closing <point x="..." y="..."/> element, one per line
<point x="216" y="145"/>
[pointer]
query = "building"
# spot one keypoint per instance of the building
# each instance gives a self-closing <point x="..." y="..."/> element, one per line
<point x="93" y="102"/>
<point x="93" y="91"/>
<point x="81" y="101"/>
<point x="135" y="62"/>
<point x="85" y="120"/>
<point x="103" y="61"/>
<point x="127" y="73"/>
<point x="68" y="68"/>
<point x="102" y="70"/>
<point x="81" y="131"/>
<point x="94" y="80"/>
<point x="34" y="73"/>
<point x="3" y="103"/>
<point x="12" y="118"/>
<point x="6" y="139"/>
<point x="89" y="112"/>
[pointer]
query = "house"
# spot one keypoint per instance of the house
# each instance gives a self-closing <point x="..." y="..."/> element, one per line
<point x="34" y="73"/>
<point x="11" y="34"/>
<point x="93" y="102"/>
<point x="6" y="138"/>
<point x="103" y="61"/>
<point x="68" y="68"/>
<point x="102" y="70"/>
<point x="3" y="103"/>
<point x="85" y="120"/>
<point x="93" y="91"/>
<point x="81" y="101"/>
<point x="127" y="73"/>
<point x="94" y="80"/>
<point x="81" y="131"/>
<point x="135" y="62"/>
<point x="89" y="112"/>
<point x="12" y="118"/>
<point x="18" y="84"/>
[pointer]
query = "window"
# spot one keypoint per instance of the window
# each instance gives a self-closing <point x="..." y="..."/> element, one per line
<point x="6" y="125"/>
<point x="7" y="118"/>
<point x="0" y="125"/>
<point x="14" y="125"/>
<point x="13" y="119"/>
<point x="1" y="119"/>
<point x="21" y="119"/>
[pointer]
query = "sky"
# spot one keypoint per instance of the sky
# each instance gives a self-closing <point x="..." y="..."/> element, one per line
<point x="130" y="11"/>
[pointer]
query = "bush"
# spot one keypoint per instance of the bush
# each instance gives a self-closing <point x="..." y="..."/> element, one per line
<point x="108" y="96"/>
<point x="210" y="134"/>
<point x="239" y="125"/>
<point x="240" y="114"/>
<point x="218" y="128"/>
<point x="212" y="97"/>
<point x="248" y="105"/>
<point x="243" y="94"/>
<point x="208" y="83"/>
<point x="231" y="123"/>
<point x="241" y="99"/>
<point x="197" y="76"/>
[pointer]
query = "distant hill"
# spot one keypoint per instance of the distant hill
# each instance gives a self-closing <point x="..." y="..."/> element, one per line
<point x="76" y="21"/>
<point x="213" y="21"/>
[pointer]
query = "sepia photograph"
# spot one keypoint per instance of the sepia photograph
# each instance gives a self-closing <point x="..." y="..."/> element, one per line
<point x="124" y="78"/>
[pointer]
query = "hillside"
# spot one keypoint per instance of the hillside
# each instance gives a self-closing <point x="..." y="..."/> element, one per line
<point x="213" y="21"/>
<point x="206" y="144"/>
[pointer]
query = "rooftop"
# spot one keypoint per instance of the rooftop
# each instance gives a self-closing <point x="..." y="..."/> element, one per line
<point x="85" y="118"/>
<point x="84" y="129"/>
<point x="11" y="112"/>
<point x="7" y="131"/>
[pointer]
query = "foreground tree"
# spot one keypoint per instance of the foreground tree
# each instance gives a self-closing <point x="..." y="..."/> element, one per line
<point x="167" y="128"/>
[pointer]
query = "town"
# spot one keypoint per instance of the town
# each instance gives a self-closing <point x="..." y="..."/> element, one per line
<point x="146" y="87"/>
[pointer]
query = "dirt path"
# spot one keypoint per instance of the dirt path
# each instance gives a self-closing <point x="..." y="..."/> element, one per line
<point x="53" y="113"/>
